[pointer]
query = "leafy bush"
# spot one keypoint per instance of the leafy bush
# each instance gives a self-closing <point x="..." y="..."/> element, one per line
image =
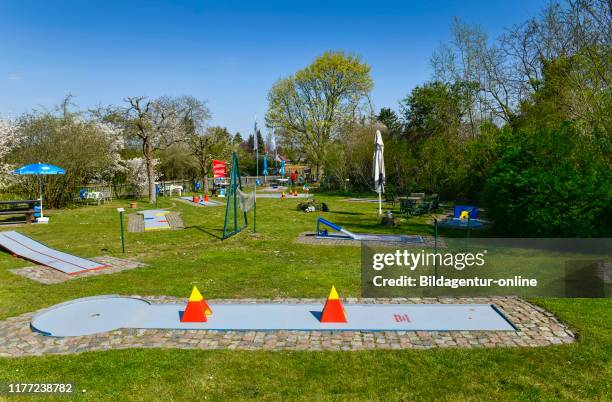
<point x="87" y="150"/>
<point x="312" y="205"/>
<point x="550" y="182"/>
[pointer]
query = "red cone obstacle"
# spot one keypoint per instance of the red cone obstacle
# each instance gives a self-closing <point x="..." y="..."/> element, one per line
<point x="197" y="309"/>
<point x="333" y="310"/>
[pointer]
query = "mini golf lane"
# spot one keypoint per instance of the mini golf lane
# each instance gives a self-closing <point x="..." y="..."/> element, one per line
<point x="155" y="219"/>
<point x="287" y="196"/>
<point x="412" y="239"/>
<point x="209" y="203"/>
<point x="25" y="247"/>
<point x="93" y="315"/>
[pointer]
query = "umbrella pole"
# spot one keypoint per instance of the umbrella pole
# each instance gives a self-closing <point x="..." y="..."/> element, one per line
<point x="41" y="195"/>
<point x="379" y="204"/>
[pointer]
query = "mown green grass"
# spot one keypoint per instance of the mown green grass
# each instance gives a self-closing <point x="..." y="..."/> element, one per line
<point x="270" y="264"/>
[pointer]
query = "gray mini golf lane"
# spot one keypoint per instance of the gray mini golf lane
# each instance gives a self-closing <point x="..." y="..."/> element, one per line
<point x="25" y="247"/>
<point x="155" y="219"/>
<point x="375" y="237"/>
<point x="209" y="203"/>
<point x="93" y="315"/>
<point x="287" y="196"/>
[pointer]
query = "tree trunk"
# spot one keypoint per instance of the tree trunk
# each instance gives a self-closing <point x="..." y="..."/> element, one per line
<point x="319" y="172"/>
<point x="205" y="181"/>
<point x="204" y="174"/>
<point x="150" y="172"/>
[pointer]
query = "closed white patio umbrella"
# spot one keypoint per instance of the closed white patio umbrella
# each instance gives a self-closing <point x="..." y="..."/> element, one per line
<point x="379" y="168"/>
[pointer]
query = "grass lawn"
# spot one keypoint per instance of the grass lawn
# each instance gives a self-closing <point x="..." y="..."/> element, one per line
<point x="270" y="264"/>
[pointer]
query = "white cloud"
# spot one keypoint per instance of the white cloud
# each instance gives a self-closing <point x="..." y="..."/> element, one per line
<point x="14" y="77"/>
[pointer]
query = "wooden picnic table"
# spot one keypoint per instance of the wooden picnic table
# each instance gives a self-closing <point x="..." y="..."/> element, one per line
<point x="29" y="202"/>
<point x="19" y="207"/>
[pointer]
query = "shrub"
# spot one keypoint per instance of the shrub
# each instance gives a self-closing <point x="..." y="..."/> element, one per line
<point x="86" y="150"/>
<point x="550" y="182"/>
<point x="312" y="205"/>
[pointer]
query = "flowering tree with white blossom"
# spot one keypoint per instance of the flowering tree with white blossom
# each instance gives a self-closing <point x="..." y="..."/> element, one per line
<point x="9" y="139"/>
<point x="137" y="174"/>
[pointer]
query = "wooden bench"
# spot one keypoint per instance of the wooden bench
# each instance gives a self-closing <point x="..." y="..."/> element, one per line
<point x="19" y="207"/>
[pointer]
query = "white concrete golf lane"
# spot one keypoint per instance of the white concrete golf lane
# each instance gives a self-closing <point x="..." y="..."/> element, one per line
<point x="89" y="315"/>
<point x="155" y="219"/>
<point x="106" y="313"/>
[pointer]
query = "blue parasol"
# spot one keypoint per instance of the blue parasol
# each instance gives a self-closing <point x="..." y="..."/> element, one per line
<point x="39" y="169"/>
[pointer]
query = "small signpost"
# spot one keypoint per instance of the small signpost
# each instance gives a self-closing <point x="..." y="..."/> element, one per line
<point x="121" y="211"/>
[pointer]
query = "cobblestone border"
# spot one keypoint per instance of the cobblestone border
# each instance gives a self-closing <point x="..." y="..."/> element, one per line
<point x="50" y="276"/>
<point x="536" y="327"/>
<point x="135" y="223"/>
<point x="175" y="221"/>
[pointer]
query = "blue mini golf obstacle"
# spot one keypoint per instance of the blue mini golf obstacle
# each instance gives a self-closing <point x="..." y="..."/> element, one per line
<point x="92" y="315"/>
<point x="29" y="249"/>
<point x="344" y="234"/>
<point x="464" y="212"/>
<point x="464" y="216"/>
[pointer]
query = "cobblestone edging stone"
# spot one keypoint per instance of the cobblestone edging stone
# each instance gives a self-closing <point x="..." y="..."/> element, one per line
<point x="50" y="276"/>
<point x="175" y="221"/>
<point x="536" y="327"/>
<point x="135" y="223"/>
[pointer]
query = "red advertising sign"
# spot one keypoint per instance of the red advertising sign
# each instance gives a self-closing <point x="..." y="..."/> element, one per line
<point x="219" y="169"/>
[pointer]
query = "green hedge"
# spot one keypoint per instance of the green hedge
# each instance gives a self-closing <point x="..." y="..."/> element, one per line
<point x="550" y="182"/>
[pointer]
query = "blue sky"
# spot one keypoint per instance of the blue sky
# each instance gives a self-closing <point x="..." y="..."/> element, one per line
<point x="227" y="52"/>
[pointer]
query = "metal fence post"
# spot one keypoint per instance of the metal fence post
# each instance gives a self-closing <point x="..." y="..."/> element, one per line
<point x="121" y="211"/>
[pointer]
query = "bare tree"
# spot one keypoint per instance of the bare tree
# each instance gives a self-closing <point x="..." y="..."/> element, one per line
<point x="154" y="123"/>
<point x="204" y="143"/>
<point x="503" y="73"/>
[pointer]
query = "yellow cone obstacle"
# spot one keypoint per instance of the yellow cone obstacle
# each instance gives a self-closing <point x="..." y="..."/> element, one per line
<point x="333" y="310"/>
<point x="197" y="308"/>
